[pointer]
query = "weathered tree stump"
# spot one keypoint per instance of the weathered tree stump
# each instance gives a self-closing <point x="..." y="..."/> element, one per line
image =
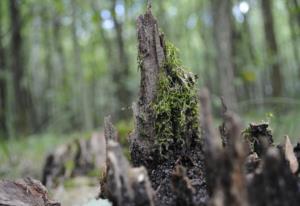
<point x="151" y="58"/>
<point x="167" y="129"/>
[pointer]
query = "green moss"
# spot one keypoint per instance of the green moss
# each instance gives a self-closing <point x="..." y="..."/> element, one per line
<point x="176" y="106"/>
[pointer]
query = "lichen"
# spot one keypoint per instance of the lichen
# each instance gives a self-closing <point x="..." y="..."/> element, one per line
<point x="176" y="105"/>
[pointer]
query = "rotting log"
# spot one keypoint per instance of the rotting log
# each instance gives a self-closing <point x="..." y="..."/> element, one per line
<point x="76" y="158"/>
<point x="24" y="192"/>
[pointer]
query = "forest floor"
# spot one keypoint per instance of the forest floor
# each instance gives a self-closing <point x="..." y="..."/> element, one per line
<point x="26" y="156"/>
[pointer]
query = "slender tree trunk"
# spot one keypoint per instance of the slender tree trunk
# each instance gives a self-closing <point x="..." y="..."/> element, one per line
<point x="249" y="39"/>
<point x="47" y="102"/>
<point x="294" y="24"/>
<point x="272" y="48"/>
<point x="297" y="9"/>
<point x="120" y="75"/>
<point x="58" y="47"/>
<point x="2" y="79"/>
<point x="205" y="35"/>
<point x="61" y="81"/>
<point x="81" y="93"/>
<point x="22" y="98"/>
<point x="224" y="57"/>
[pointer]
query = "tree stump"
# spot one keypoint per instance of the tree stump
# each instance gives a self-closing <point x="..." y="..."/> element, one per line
<point x="167" y="128"/>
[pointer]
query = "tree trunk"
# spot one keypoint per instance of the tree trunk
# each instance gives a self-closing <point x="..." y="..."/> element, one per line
<point x="294" y="24"/>
<point x="61" y="80"/>
<point x="2" y="79"/>
<point x="224" y="57"/>
<point x="272" y="48"/>
<point x="22" y="99"/>
<point x="81" y="92"/>
<point x="46" y="113"/>
<point x="121" y="72"/>
<point x="208" y="59"/>
<point x="296" y="5"/>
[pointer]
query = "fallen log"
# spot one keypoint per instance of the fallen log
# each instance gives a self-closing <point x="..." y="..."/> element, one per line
<point x="24" y="192"/>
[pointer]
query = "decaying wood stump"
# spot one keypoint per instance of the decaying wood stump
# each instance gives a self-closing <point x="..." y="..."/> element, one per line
<point x="224" y="166"/>
<point x="123" y="185"/>
<point x="256" y="174"/>
<point x="24" y="192"/>
<point x="79" y="157"/>
<point x="166" y="132"/>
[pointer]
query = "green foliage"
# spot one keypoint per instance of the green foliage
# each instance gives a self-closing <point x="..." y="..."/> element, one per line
<point x="176" y="106"/>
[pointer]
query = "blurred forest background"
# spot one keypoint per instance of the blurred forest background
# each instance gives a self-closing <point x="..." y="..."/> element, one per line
<point x="65" y="64"/>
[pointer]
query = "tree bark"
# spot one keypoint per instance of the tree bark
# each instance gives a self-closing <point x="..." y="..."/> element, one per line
<point x="224" y="58"/>
<point x="152" y="56"/>
<point x="125" y="186"/>
<point x="272" y="48"/>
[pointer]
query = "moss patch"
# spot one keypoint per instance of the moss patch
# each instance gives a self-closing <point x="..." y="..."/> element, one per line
<point x="176" y="106"/>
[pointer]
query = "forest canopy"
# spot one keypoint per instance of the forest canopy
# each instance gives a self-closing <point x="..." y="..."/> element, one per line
<point x="64" y="64"/>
